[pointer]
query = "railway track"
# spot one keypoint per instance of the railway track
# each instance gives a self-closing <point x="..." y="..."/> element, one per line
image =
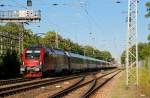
<point x="12" y="81"/>
<point x="18" y="80"/>
<point x="98" y="84"/>
<point x="67" y="90"/>
<point x="20" y="87"/>
<point x="13" y="89"/>
<point x="93" y="85"/>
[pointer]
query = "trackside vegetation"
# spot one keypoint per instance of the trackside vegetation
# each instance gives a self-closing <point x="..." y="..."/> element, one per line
<point x="9" y="65"/>
<point x="144" y="80"/>
<point x="119" y="90"/>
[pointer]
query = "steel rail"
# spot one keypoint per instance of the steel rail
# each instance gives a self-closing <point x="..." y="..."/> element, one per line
<point x="91" y="91"/>
<point x="11" y="81"/>
<point x="18" y="80"/>
<point x="67" y="90"/>
<point x="6" y="91"/>
<point x="71" y="88"/>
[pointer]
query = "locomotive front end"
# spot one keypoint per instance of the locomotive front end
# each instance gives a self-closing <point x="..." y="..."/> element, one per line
<point x="32" y="62"/>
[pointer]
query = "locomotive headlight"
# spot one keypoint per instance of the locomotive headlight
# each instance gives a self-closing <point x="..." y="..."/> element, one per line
<point x="40" y="63"/>
<point x="22" y="69"/>
<point x="37" y="69"/>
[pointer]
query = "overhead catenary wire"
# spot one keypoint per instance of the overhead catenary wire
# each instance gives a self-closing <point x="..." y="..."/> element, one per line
<point x="81" y="5"/>
<point x="20" y="5"/>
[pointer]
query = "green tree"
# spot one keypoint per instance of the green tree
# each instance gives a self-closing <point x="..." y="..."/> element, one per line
<point x="11" y="64"/>
<point x="123" y="57"/>
<point x="31" y="39"/>
<point x="14" y="29"/>
<point x="106" y="55"/>
<point x="148" y="9"/>
<point x="143" y="49"/>
<point x="148" y="38"/>
<point x="147" y="16"/>
<point x="49" y="40"/>
<point x="89" y="51"/>
<point x="98" y="54"/>
<point x="76" y="48"/>
<point x="66" y="44"/>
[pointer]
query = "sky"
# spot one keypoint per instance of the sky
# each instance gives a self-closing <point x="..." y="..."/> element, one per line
<point x="99" y="23"/>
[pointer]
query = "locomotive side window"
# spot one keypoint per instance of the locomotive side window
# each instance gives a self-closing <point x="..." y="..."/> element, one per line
<point x="32" y="54"/>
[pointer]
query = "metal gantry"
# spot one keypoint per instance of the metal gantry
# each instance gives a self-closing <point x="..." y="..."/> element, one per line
<point x="17" y="16"/>
<point x="8" y="41"/>
<point x="132" y="45"/>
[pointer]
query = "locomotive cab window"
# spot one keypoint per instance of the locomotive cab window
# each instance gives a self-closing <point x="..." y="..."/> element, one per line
<point x="32" y="54"/>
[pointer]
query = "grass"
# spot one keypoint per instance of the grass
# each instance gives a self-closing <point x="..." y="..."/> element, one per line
<point x="121" y="91"/>
<point x="142" y="91"/>
<point x="144" y="81"/>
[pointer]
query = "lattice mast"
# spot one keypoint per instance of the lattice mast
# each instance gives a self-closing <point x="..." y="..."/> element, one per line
<point x="132" y="44"/>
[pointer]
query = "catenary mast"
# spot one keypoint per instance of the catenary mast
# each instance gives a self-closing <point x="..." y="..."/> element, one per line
<point x="132" y="44"/>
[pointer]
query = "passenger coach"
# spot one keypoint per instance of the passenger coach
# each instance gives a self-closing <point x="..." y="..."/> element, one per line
<point x="41" y="61"/>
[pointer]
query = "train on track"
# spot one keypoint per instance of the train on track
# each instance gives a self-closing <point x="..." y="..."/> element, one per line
<point x="41" y="61"/>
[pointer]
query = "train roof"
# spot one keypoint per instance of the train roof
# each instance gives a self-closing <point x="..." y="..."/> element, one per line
<point x="55" y="51"/>
<point x="76" y="55"/>
<point x="59" y="52"/>
<point x="85" y="57"/>
<point x="70" y="54"/>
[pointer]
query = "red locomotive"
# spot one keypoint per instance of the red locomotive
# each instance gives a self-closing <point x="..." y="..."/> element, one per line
<point x="40" y="61"/>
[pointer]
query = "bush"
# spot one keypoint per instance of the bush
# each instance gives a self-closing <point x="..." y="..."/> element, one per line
<point x="144" y="79"/>
<point x="1" y="68"/>
<point x="10" y="65"/>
